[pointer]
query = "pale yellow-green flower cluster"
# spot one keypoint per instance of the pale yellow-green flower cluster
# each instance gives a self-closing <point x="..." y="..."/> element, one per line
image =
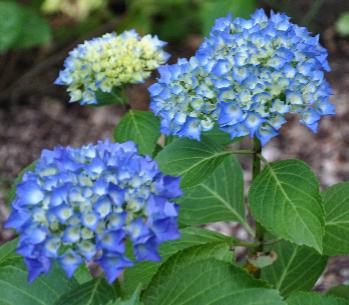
<point x="77" y="9"/>
<point x="108" y="62"/>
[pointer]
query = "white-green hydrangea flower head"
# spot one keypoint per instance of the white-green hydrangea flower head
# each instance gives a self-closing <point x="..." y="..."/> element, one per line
<point x="77" y="9"/>
<point x="108" y="62"/>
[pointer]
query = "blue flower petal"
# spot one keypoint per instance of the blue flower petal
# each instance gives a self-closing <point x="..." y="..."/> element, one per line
<point x="30" y="192"/>
<point x="113" y="265"/>
<point x="70" y="261"/>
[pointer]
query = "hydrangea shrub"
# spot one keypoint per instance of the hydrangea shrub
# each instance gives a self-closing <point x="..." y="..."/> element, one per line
<point x="123" y="223"/>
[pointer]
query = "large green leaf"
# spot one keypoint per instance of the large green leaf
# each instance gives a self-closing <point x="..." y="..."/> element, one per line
<point x="213" y="9"/>
<point x="188" y="278"/>
<point x="142" y="127"/>
<point x="142" y="272"/>
<point x="94" y="292"/>
<point x="311" y="298"/>
<point x="15" y="289"/>
<point x="297" y="267"/>
<point x="192" y="160"/>
<point x="336" y="201"/>
<point x="285" y="199"/>
<point x="219" y="198"/>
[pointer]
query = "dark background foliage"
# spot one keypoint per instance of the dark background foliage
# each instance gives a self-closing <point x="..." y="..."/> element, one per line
<point x="35" y="114"/>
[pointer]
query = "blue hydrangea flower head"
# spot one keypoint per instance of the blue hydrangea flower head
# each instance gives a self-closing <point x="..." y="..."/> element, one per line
<point x="244" y="79"/>
<point x="108" y="62"/>
<point x="82" y="204"/>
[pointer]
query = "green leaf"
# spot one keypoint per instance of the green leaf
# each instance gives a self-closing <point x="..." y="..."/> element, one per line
<point x="21" y="27"/>
<point x="11" y="20"/>
<point x="142" y="127"/>
<point x="8" y="252"/>
<point x="116" y="97"/>
<point x="285" y="199"/>
<point x="94" y="292"/>
<point x="34" y="32"/>
<point x="220" y="136"/>
<point x="157" y="149"/>
<point x="297" y="267"/>
<point x="219" y="198"/>
<point x="169" y="139"/>
<point x="36" y="4"/>
<point x="171" y="29"/>
<point x="192" y="160"/>
<point x="188" y="278"/>
<point x="15" y="288"/>
<point x="82" y="275"/>
<point x="341" y="291"/>
<point x="336" y="202"/>
<point x="134" y="300"/>
<point x="312" y="298"/>
<point x="342" y="24"/>
<point x="12" y="194"/>
<point x="142" y="272"/>
<point x="212" y="9"/>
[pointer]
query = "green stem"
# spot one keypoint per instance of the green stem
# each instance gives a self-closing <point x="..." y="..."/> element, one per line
<point x="245" y="244"/>
<point x="256" y="161"/>
<point x="117" y="288"/>
<point x="125" y="100"/>
<point x="243" y="222"/>
<point x="271" y="242"/>
<point x="241" y="152"/>
<point x="264" y="160"/>
<point x="254" y="244"/>
<point x="256" y="169"/>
